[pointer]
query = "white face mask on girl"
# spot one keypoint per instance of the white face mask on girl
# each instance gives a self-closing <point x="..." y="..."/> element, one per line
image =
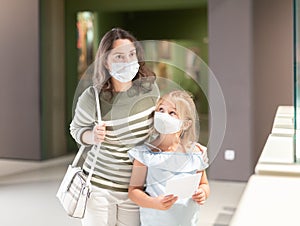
<point x="166" y="124"/>
<point x="124" y="72"/>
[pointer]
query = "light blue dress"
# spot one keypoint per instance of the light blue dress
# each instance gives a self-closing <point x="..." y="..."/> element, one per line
<point x="163" y="166"/>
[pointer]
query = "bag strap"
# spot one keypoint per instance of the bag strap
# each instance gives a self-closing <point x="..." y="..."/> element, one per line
<point x="78" y="155"/>
<point x="88" y="180"/>
<point x="81" y="149"/>
<point x="97" y="104"/>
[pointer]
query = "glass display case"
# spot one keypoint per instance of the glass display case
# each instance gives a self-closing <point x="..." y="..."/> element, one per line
<point x="297" y="77"/>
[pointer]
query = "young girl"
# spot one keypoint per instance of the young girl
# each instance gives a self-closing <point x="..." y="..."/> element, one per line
<point x="173" y="154"/>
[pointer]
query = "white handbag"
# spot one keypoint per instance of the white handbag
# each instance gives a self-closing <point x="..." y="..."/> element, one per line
<point x="75" y="188"/>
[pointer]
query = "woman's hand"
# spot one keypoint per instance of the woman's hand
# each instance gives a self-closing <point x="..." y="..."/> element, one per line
<point x="199" y="196"/>
<point x="202" y="149"/>
<point x="98" y="133"/>
<point x="164" y="202"/>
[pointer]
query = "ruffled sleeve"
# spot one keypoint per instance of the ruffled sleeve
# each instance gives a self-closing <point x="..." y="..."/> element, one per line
<point x="170" y="161"/>
<point x="178" y="162"/>
<point x="139" y="153"/>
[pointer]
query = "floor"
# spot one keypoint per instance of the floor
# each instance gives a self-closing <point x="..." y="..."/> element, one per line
<point x="28" y="197"/>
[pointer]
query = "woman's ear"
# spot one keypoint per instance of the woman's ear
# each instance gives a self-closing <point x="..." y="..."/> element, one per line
<point x="106" y="65"/>
<point x="106" y="61"/>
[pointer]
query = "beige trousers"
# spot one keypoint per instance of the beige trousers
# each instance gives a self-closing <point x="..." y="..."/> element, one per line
<point x="110" y="208"/>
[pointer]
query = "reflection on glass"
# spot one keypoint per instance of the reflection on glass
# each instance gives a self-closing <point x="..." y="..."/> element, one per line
<point x="182" y="66"/>
<point x="297" y="76"/>
<point x="85" y="40"/>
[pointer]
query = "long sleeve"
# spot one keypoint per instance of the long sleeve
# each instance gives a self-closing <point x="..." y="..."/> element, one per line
<point x="85" y="115"/>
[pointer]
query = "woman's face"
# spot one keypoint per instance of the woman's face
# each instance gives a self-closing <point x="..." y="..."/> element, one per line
<point x="123" y="51"/>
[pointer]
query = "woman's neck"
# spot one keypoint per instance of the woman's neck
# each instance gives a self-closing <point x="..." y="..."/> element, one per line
<point x="120" y="86"/>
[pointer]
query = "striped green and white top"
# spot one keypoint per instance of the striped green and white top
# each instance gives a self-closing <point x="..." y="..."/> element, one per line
<point x="128" y="117"/>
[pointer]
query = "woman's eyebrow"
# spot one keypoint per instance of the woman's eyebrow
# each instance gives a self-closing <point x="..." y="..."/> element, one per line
<point x="122" y="52"/>
<point x="118" y="53"/>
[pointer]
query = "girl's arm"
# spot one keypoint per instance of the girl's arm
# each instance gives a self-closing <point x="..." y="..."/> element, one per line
<point x="203" y="190"/>
<point x="136" y="190"/>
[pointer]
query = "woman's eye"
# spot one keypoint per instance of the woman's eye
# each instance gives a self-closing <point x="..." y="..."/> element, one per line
<point x="119" y="58"/>
<point x="132" y="54"/>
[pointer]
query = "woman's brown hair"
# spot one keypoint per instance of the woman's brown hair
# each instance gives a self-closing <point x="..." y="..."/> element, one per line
<point x="101" y="77"/>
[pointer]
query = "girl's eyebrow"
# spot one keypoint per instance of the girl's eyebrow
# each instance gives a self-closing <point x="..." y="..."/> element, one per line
<point x="164" y="106"/>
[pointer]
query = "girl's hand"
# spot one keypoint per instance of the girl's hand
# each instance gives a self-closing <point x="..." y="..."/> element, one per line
<point x="164" y="202"/>
<point x="98" y="133"/>
<point x="199" y="196"/>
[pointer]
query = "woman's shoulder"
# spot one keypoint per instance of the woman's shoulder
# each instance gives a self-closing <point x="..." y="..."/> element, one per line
<point x="200" y="148"/>
<point x="148" y="85"/>
<point x="202" y="151"/>
<point x="88" y="94"/>
<point x="87" y="99"/>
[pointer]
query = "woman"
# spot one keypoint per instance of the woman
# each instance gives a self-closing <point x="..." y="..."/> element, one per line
<point x="128" y="95"/>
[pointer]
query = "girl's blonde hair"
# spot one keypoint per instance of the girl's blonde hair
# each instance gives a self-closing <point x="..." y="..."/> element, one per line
<point x="186" y="111"/>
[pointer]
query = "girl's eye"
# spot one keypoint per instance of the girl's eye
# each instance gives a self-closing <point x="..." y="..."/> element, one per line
<point x="172" y="113"/>
<point x="161" y="110"/>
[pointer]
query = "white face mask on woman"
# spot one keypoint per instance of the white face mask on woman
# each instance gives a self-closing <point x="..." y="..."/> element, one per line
<point x="166" y="124"/>
<point x="124" y="72"/>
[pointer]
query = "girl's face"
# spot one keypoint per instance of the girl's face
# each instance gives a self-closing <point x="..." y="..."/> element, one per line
<point x="123" y="51"/>
<point x="168" y="107"/>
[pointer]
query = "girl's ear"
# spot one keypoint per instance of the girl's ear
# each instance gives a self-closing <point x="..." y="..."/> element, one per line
<point x="186" y="124"/>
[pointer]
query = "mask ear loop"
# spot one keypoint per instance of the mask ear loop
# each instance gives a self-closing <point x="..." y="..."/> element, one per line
<point x="185" y="126"/>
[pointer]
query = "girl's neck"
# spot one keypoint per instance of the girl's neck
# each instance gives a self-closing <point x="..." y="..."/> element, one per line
<point x="166" y="144"/>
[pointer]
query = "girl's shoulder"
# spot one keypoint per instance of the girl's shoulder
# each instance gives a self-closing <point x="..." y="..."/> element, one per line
<point x="139" y="153"/>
